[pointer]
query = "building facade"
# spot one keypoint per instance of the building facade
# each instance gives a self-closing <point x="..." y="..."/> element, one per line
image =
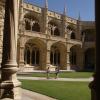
<point x="47" y="38"/>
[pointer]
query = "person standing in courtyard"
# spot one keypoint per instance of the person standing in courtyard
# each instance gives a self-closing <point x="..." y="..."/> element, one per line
<point x="56" y="72"/>
<point x="48" y="72"/>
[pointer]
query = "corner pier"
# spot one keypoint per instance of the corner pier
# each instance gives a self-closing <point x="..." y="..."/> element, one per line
<point x="9" y="85"/>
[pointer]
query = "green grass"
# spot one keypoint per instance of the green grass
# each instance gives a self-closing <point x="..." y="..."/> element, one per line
<point x="64" y="74"/>
<point x="60" y="90"/>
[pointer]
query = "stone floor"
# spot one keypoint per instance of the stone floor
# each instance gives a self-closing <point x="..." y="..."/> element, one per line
<point x="28" y="95"/>
<point x="58" y="79"/>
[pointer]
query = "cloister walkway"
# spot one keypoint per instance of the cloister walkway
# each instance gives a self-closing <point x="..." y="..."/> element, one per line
<point x="58" y="79"/>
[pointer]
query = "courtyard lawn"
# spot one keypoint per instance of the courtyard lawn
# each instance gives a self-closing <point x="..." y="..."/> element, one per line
<point x="62" y="74"/>
<point x="60" y="90"/>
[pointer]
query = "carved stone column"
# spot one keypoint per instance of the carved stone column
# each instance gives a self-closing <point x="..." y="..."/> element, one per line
<point x="68" y="33"/>
<point x="9" y="85"/>
<point x="21" y="57"/>
<point x="48" y="58"/>
<point x="68" y="61"/>
<point x="25" y="57"/>
<point x="1" y="39"/>
<point x="30" y="56"/>
<point x="48" y="54"/>
<point x="68" y="58"/>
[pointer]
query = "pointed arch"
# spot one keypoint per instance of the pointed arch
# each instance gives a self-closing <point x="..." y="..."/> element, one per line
<point x="73" y="35"/>
<point x="54" y="28"/>
<point x="57" y="54"/>
<point x="36" y="27"/>
<point x="37" y="48"/>
<point x="31" y="22"/>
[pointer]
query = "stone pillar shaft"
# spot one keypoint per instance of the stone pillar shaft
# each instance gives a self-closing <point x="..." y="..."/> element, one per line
<point x="9" y="87"/>
<point x="1" y="39"/>
<point x="68" y="58"/>
<point x="68" y="61"/>
<point x="35" y="57"/>
<point x="22" y="55"/>
<point x="30" y="56"/>
<point x="25" y="57"/>
<point x="48" y="58"/>
<point x="53" y="57"/>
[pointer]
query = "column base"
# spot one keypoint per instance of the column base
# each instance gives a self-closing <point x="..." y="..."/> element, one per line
<point x="51" y="67"/>
<point x="10" y="90"/>
<point x="68" y="68"/>
<point x="21" y="66"/>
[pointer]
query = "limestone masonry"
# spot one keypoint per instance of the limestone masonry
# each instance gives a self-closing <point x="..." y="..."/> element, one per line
<point x="47" y="38"/>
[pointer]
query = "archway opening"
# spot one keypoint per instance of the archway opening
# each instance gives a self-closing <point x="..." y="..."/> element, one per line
<point x="58" y="55"/>
<point x="55" y="57"/>
<point x="32" y="54"/>
<point x="31" y="23"/>
<point x="36" y="58"/>
<point x="27" y="25"/>
<point x="90" y="59"/>
<point x="76" y="58"/>
<point x="54" y="29"/>
<point x="36" y="27"/>
<point x="73" y="35"/>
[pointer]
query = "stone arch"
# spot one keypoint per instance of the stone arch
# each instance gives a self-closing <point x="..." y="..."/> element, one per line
<point x="73" y="36"/>
<point x="37" y="54"/>
<point x="32" y="22"/>
<point x="36" y="27"/>
<point x="71" y="27"/>
<point x="27" y="25"/>
<point x="58" y="55"/>
<point x="89" y="34"/>
<point x="54" y="28"/>
<point x="89" y="59"/>
<point x="76" y="57"/>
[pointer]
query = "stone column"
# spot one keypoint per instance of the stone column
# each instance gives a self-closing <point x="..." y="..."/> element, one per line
<point x="53" y="57"/>
<point x="68" y="59"/>
<point x="25" y="57"/>
<point x="57" y="58"/>
<point x="68" y="33"/>
<point x="30" y="56"/>
<point x="48" y="58"/>
<point x="9" y="85"/>
<point x="1" y="39"/>
<point x="35" y="56"/>
<point x="53" y="29"/>
<point x="31" y="24"/>
<point x="21" y="57"/>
